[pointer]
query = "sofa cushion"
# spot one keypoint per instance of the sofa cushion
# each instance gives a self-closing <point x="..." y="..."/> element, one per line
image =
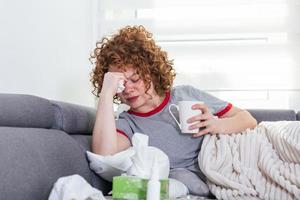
<point x="72" y="118"/>
<point x="84" y="141"/>
<point x="298" y="115"/>
<point x="32" y="159"/>
<point x="273" y="115"/>
<point x="20" y="110"/>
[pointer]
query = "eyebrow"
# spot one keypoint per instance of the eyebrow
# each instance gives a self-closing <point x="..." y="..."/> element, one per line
<point x="131" y="75"/>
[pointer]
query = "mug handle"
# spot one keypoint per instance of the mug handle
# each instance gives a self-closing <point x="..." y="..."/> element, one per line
<point x="172" y="113"/>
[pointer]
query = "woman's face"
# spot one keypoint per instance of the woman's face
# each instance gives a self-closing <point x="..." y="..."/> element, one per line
<point x="134" y="93"/>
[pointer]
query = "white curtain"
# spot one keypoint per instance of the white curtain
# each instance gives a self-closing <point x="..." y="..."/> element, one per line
<point x="244" y="51"/>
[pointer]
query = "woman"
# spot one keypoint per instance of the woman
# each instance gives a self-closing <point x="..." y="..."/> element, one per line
<point x="132" y="56"/>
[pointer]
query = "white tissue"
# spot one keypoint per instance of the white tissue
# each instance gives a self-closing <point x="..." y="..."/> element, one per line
<point x="136" y="160"/>
<point x="177" y="189"/>
<point x="109" y="166"/>
<point x="121" y="108"/>
<point x="142" y="160"/>
<point x="153" y="185"/>
<point x="121" y="86"/>
<point x="74" y="187"/>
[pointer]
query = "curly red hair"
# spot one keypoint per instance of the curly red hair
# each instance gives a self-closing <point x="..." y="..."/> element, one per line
<point x="133" y="46"/>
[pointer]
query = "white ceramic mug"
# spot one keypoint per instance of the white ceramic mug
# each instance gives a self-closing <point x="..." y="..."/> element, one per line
<point x="185" y="112"/>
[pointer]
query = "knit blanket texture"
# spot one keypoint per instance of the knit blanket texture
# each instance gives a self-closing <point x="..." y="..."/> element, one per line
<point x="262" y="163"/>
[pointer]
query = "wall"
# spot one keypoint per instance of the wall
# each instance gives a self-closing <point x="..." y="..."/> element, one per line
<point x="44" y="49"/>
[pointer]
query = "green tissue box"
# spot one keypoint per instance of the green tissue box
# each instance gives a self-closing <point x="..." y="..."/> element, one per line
<point x="130" y="187"/>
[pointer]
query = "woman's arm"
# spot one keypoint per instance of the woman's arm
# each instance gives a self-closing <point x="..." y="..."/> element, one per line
<point x="234" y="121"/>
<point x="105" y="139"/>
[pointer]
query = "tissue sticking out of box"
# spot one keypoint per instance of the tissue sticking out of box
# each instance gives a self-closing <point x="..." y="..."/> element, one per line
<point x="153" y="186"/>
<point x="144" y="157"/>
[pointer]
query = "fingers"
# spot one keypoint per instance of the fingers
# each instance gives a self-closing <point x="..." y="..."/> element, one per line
<point x="199" y="125"/>
<point x="110" y="82"/>
<point x="202" y="107"/>
<point x="202" y="132"/>
<point x="203" y="126"/>
<point x="205" y="113"/>
<point x="116" y="75"/>
<point x="199" y="117"/>
<point x="204" y="121"/>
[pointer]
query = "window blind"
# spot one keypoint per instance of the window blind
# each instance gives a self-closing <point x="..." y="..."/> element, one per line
<point x="223" y="46"/>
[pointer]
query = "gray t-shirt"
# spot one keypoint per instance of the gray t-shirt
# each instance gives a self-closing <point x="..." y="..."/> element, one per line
<point x="164" y="133"/>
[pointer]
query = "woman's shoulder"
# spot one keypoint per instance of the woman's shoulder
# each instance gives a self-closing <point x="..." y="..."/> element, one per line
<point x="184" y="88"/>
<point x="181" y="92"/>
<point x="191" y="93"/>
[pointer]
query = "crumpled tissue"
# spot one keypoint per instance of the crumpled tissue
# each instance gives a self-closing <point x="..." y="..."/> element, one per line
<point x="74" y="187"/>
<point x="136" y="160"/>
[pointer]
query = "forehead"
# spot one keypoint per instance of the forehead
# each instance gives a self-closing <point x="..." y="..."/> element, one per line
<point x="127" y="70"/>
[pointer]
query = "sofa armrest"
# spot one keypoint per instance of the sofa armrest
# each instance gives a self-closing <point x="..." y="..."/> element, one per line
<point x="273" y="115"/>
<point x="73" y="118"/>
<point x="21" y="110"/>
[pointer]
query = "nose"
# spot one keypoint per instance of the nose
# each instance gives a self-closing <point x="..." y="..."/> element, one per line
<point x="128" y="87"/>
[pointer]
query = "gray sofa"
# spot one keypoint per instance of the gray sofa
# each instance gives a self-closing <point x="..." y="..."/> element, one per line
<point x="42" y="140"/>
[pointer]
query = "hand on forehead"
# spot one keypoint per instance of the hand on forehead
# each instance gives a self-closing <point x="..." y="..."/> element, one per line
<point x="128" y="71"/>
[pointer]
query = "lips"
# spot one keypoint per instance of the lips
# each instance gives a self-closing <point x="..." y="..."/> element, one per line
<point x="132" y="99"/>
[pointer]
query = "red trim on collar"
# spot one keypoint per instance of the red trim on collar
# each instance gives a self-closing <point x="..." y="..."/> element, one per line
<point x="225" y="110"/>
<point x="155" y="110"/>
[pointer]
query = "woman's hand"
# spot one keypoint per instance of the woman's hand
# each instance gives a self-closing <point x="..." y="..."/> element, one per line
<point x="206" y="121"/>
<point x="110" y="82"/>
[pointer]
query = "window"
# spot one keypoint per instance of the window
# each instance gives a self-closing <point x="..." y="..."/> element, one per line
<point x="244" y="51"/>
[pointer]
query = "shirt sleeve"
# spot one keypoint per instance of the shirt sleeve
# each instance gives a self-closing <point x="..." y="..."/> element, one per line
<point x="123" y="127"/>
<point x="216" y="106"/>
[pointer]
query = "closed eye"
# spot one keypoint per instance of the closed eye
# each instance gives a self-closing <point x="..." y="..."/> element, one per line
<point x="135" y="78"/>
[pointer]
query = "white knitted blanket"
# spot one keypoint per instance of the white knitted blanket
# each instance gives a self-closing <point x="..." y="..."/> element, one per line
<point x="263" y="163"/>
